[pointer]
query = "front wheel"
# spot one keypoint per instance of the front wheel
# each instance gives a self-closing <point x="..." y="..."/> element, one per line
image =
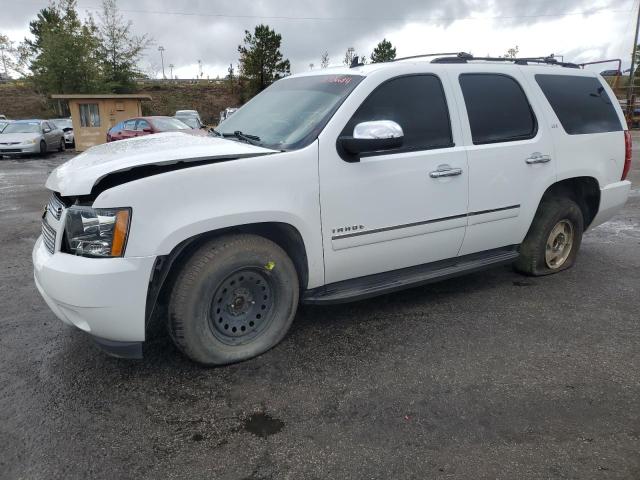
<point x="554" y="238"/>
<point x="62" y="146"/>
<point x="43" y="148"/>
<point x="234" y="299"/>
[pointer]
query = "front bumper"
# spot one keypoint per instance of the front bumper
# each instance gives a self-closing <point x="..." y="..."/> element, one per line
<point x="19" y="149"/>
<point x="105" y="297"/>
<point x="612" y="198"/>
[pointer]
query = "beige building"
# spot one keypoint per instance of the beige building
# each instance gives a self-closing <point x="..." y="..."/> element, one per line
<point x="94" y="115"/>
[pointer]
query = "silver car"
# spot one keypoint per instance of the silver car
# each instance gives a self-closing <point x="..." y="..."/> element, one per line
<point x="66" y="126"/>
<point x="31" y="136"/>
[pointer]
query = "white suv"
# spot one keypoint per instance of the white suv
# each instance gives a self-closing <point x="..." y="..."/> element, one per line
<point x="331" y="186"/>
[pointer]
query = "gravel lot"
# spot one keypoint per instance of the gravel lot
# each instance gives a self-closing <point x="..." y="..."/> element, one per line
<point x="492" y="375"/>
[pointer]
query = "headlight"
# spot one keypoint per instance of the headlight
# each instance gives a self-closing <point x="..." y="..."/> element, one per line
<point x="33" y="141"/>
<point x="97" y="232"/>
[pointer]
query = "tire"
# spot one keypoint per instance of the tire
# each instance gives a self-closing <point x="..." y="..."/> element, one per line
<point x="558" y="222"/>
<point x="62" y="146"/>
<point x="43" y="148"/>
<point x="234" y="299"/>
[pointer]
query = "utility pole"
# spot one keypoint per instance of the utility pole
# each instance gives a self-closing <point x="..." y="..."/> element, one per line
<point x="171" y="65"/>
<point x="199" y="68"/>
<point x="161" y="50"/>
<point x="631" y="98"/>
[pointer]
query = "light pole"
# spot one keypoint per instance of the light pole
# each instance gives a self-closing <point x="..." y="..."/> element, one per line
<point x="199" y="68"/>
<point x="171" y="70"/>
<point x="161" y="50"/>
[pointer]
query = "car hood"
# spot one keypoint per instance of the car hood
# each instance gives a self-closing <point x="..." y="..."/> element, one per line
<point x="17" y="137"/>
<point x="81" y="173"/>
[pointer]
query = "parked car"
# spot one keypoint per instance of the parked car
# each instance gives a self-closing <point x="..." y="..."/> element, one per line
<point x="226" y="113"/>
<point x="30" y="136"/>
<point x="3" y="117"/>
<point x="193" y="122"/>
<point x="611" y="73"/>
<point x="66" y="125"/>
<point x="187" y="113"/>
<point x="140" y="126"/>
<point x="331" y="186"/>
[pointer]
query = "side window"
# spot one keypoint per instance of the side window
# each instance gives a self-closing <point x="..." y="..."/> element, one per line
<point x="581" y="103"/>
<point x="416" y="103"/>
<point x="130" y="125"/>
<point x="142" y="124"/>
<point x="89" y="115"/>
<point x="498" y="108"/>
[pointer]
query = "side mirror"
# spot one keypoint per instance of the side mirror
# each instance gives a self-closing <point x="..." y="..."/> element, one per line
<point x="375" y="136"/>
<point x="147" y="130"/>
<point x="46" y="130"/>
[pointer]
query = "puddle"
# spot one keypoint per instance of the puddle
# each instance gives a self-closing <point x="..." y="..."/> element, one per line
<point x="262" y="425"/>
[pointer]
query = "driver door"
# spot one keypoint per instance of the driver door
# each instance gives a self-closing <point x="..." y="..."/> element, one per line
<point x="389" y="210"/>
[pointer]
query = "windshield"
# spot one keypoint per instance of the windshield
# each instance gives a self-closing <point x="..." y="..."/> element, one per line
<point x="3" y="124"/>
<point x="62" y="123"/>
<point x="17" y="127"/>
<point x="293" y="111"/>
<point x="191" y="121"/>
<point x="168" y="124"/>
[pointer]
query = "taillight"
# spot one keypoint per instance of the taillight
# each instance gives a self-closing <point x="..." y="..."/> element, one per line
<point x="627" y="154"/>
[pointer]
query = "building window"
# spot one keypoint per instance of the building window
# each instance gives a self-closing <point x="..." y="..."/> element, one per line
<point x="89" y="115"/>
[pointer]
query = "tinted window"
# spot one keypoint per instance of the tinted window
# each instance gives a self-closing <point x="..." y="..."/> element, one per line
<point x="498" y="108"/>
<point x="416" y="103"/>
<point x="581" y="104"/>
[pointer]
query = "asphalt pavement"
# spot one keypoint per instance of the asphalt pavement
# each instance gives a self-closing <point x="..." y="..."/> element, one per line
<point x="492" y="375"/>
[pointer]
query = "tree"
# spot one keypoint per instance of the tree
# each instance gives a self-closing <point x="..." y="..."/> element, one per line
<point x="119" y="50"/>
<point x="63" y="54"/>
<point x="384" y="52"/>
<point x="324" y="60"/>
<point x="12" y="58"/>
<point x="512" y="52"/>
<point x="261" y="61"/>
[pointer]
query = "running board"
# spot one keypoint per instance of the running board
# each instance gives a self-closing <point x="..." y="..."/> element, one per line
<point x="387" y="282"/>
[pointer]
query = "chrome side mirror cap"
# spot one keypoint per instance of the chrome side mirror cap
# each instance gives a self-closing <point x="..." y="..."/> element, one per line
<point x="378" y="129"/>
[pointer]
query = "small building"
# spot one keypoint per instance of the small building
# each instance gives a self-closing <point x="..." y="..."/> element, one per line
<point x="93" y="115"/>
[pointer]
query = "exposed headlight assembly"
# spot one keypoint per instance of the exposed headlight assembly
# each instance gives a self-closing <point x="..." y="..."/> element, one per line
<point x="97" y="232"/>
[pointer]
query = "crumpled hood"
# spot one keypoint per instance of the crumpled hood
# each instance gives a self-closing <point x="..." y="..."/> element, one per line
<point x="81" y="173"/>
<point x="17" y="137"/>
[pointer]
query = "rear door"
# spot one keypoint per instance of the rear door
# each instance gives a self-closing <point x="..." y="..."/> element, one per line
<point x="141" y="125"/>
<point x="510" y="154"/>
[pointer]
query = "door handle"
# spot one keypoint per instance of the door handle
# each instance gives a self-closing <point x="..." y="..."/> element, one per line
<point x="538" y="158"/>
<point x="445" y="172"/>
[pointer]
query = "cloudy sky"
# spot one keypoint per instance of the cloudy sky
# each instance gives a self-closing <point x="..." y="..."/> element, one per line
<point x="210" y="30"/>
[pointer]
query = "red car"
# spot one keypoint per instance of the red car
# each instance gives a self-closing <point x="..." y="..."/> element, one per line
<point x="139" y="126"/>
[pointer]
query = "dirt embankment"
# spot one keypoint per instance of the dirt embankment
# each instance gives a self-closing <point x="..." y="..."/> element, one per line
<point x="19" y="100"/>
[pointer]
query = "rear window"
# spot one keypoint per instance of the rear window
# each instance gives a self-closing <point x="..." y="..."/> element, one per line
<point x="498" y="108"/>
<point x="581" y="103"/>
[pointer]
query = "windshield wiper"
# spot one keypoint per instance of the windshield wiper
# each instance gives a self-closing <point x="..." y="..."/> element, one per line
<point x="252" y="139"/>
<point x="216" y="132"/>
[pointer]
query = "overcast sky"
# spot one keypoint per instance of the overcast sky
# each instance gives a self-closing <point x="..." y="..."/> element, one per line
<point x="210" y="30"/>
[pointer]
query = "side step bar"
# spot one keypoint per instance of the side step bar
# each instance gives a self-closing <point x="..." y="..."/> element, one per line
<point x="387" y="282"/>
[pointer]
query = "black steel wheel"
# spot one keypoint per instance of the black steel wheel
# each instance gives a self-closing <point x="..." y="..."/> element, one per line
<point x="241" y="307"/>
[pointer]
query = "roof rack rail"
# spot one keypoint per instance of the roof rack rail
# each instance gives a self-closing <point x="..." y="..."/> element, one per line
<point x="424" y="55"/>
<point x="463" y="57"/>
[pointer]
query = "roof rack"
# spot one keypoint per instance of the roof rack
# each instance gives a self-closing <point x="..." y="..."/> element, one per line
<point x="463" y="57"/>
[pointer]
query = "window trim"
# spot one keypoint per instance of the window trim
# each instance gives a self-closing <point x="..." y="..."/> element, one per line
<point x="536" y="125"/>
<point x="350" y="158"/>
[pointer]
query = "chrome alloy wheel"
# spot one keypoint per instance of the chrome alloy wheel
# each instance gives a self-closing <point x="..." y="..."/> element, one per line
<point x="559" y="244"/>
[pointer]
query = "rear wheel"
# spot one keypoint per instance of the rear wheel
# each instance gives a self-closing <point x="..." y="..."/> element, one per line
<point x="554" y="238"/>
<point x="235" y="298"/>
